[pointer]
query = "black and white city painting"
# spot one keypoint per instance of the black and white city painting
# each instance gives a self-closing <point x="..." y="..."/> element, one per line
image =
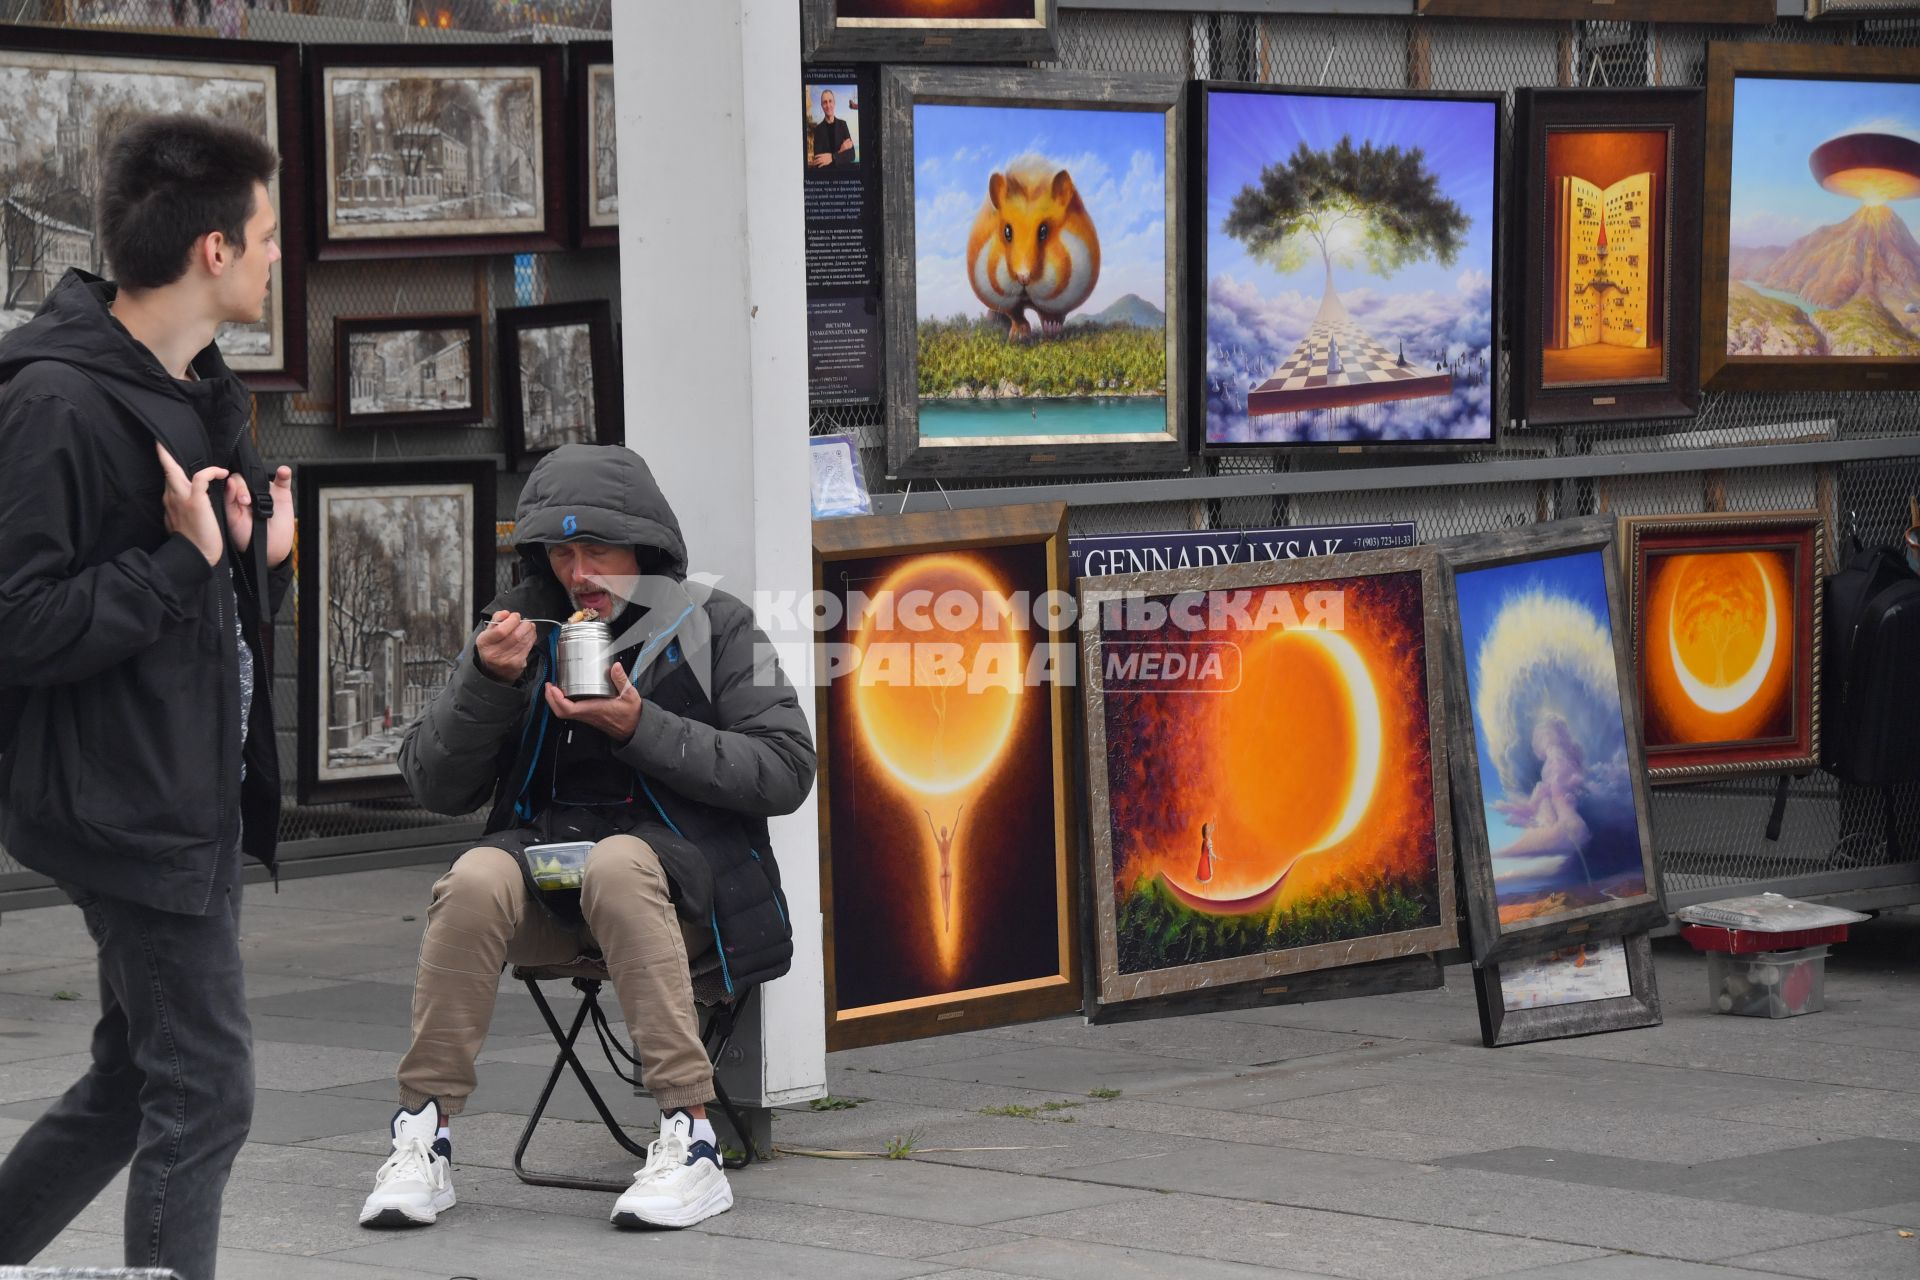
<point x="556" y="387"/>
<point x="396" y="577"/>
<point x="411" y="371"/>
<point x="603" y="197"/>
<point x="59" y="114"/>
<point x="433" y="151"/>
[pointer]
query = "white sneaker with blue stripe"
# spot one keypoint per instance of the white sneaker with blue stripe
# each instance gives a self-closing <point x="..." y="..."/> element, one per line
<point x="684" y="1181"/>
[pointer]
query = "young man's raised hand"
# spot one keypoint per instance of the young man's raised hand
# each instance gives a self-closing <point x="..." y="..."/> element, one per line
<point x="187" y="508"/>
<point x="279" y="524"/>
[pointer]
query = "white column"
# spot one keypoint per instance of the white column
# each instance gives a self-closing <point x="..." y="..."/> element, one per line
<point x="713" y="299"/>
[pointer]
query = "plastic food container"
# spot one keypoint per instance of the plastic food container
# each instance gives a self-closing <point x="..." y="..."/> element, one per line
<point x="558" y="866"/>
<point x="1768" y="984"/>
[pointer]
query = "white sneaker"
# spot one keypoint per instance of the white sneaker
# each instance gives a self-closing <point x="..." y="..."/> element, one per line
<point x="684" y="1181"/>
<point x="415" y="1185"/>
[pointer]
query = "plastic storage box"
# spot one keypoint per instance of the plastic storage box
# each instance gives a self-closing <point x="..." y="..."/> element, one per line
<point x="1769" y="984"/>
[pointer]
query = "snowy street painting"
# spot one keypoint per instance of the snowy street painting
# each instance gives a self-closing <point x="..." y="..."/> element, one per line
<point x="604" y="207"/>
<point x="396" y="583"/>
<point x="410" y="371"/>
<point x="62" y="114"/>
<point x="556" y="386"/>
<point x="414" y="152"/>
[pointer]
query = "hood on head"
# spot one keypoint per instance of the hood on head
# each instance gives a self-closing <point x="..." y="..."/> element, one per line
<point x="603" y="493"/>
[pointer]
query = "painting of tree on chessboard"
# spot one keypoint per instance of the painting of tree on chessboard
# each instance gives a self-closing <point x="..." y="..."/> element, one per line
<point x="1350" y="246"/>
<point x="1606" y="273"/>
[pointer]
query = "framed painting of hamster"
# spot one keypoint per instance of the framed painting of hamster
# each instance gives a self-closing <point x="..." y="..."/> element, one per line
<point x="930" y="30"/>
<point x="1350" y="253"/>
<point x="1034" y="236"/>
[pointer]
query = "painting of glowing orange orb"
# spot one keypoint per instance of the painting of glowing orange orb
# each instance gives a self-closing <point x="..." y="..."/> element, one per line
<point x="1275" y="810"/>
<point x="944" y="845"/>
<point x="940" y="717"/>
<point x="1724" y="609"/>
<point x="1718" y="661"/>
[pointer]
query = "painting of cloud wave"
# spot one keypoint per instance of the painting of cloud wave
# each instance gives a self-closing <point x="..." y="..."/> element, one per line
<point x="1552" y="740"/>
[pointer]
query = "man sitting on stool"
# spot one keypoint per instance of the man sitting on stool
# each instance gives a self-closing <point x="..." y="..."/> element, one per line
<point x="671" y="780"/>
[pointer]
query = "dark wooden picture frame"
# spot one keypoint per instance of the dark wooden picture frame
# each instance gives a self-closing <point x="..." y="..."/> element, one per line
<point x="1680" y="115"/>
<point x="1802" y="536"/>
<point x="1726" y="63"/>
<point x="1854" y="10"/>
<point x="1639" y="1007"/>
<point x="1261" y="976"/>
<point x="903" y="89"/>
<point x="1492" y="940"/>
<point x="588" y="62"/>
<point x="941" y="534"/>
<point x="608" y="411"/>
<point x="74" y="49"/>
<point x="1730" y="12"/>
<point x="825" y="35"/>
<point x="444" y="163"/>
<point x="427" y="372"/>
<point x="1326" y="388"/>
<point x="379" y="594"/>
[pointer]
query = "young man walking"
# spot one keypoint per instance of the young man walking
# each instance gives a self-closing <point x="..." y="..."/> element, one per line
<point x="139" y="572"/>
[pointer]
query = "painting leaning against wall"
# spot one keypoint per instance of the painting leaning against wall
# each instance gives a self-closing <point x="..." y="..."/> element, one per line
<point x="1266" y="766"/>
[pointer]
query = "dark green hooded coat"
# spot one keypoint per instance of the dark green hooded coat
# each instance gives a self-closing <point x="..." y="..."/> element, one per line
<point x="722" y="744"/>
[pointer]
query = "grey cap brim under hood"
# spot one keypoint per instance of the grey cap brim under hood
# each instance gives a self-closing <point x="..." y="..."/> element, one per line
<point x="603" y="493"/>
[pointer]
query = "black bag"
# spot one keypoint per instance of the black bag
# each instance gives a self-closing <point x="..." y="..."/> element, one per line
<point x="1870" y="672"/>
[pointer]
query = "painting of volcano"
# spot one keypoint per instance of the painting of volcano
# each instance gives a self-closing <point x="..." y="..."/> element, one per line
<point x="1822" y="264"/>
<point x="1264" y="770"/>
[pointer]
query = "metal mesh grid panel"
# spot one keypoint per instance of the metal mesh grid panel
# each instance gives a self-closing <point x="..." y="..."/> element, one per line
<point x="1710" y="834"/>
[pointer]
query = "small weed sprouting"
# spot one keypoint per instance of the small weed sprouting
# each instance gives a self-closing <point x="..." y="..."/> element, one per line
<point x="903" y="1145"/>
<point x="1039" y="1111"/>
<point x="1103" y="1093"/>
<point x="831" y="1103"/>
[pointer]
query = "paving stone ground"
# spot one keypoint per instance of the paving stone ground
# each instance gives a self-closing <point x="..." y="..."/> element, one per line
<point x="1368" y="1139"/>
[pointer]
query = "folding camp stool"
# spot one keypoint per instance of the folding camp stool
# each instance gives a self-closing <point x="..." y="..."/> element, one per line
<point x="719" y="1014"/>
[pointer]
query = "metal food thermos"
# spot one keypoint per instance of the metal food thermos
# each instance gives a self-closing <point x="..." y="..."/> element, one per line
<point x="584" y="660"/>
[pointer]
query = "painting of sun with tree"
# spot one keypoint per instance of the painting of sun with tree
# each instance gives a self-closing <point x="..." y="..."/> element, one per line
<point x="1350" y="263"/>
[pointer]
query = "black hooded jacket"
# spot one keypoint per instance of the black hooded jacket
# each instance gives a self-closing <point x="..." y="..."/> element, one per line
<point x="120" y="742"/>
<point x="715" y="755"/>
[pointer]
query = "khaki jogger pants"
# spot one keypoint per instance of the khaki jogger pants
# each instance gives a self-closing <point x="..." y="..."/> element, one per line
<point x="483" y="917"/>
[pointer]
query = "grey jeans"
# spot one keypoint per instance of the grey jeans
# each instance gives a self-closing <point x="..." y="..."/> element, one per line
<point x="170" y="1088"/>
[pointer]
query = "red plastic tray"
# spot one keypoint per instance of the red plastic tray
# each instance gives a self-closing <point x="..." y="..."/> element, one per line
<point x="1745" y="942"/>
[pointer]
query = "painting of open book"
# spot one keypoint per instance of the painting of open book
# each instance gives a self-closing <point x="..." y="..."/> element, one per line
<point x="1611" y="226"/>
<point x="1606" y="252"/>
